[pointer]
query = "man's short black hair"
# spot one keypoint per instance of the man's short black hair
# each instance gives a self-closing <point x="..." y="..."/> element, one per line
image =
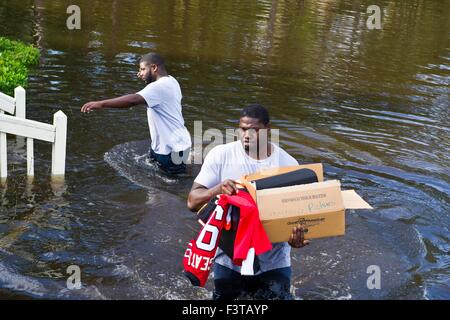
<point x="256" y="111"/>
<point x="153" y="58"/>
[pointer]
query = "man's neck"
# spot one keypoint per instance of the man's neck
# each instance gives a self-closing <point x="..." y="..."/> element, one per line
<point x="269" y="149"/>
<point x="162" y="74"/>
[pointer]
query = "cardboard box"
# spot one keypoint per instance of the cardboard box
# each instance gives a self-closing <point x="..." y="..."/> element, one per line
<point x="319" y="206"/>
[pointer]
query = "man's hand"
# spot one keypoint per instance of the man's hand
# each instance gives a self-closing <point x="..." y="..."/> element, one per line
<point x="297" y="239"/>
<point x="228" y="187"/>
<point x="90" y="106"/>
<point x="199" y="194"/>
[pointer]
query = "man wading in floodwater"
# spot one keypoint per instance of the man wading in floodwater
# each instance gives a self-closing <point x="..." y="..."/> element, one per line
<point x="222" y="165"/>
<point x="171" y="141"/>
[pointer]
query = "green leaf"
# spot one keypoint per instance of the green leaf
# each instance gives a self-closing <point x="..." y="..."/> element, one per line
<point x="15" y="60"/>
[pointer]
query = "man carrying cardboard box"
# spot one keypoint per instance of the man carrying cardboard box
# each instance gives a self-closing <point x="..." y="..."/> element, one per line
<point x="223" y="165"/>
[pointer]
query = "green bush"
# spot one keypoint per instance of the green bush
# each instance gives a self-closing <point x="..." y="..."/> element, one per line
<point x="15" y="59"/>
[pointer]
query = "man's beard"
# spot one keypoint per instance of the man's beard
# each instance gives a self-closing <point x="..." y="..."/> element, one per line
<point x="149" y="79"/>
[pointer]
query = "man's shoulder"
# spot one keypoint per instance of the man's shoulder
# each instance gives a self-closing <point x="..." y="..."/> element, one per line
<point x="285" y="157"/>
<point x="172" y="78"/>
<point x="223" y="149"/>
<point x="162" y="81"/>
<point x="160" y="85"/>
<point x="149" y="87"/>
<point x="167" y="84"/>
<point x="166" y="81"/>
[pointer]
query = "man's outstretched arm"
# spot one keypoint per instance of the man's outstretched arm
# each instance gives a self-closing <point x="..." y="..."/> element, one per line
<point x="126" y="101"/>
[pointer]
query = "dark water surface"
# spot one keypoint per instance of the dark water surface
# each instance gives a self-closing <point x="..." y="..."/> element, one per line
<point x="372" y="105"/>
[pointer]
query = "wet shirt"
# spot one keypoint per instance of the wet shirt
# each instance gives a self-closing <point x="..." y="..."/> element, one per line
<point x="230" y="161"/>
<point x="165" y="119"/>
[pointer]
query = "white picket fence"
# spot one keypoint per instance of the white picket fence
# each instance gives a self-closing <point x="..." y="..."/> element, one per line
<point x="55" y="133"/>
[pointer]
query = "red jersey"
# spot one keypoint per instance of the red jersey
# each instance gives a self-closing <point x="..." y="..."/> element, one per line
<point x="250" y="234"/>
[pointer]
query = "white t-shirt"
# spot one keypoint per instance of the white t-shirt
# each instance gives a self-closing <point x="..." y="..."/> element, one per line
<point x="165" y="120"/>
<point x="230" y="161"/>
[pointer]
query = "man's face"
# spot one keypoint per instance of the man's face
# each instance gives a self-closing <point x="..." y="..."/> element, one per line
<point x="251" y="130"/>
<point x="146" y="72"/>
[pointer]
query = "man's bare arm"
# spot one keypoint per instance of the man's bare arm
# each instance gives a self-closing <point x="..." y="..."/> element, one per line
<point x="199" y="194"/>
<point x="126" y="101"/>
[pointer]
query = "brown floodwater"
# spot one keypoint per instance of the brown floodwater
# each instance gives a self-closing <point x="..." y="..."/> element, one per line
<point x="371" y="105"/>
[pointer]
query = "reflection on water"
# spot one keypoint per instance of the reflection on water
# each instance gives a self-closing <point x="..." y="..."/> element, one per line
<point x="372" y="105"/>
